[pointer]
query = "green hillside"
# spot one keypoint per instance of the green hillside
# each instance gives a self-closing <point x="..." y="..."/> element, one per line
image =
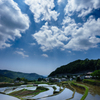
<point x="9" y="75"/>
<point x="5" y="79"/>
<point x="77" y="66"/>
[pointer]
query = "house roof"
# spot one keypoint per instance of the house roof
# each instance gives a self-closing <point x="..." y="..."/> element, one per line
<point x="89" y="73"/>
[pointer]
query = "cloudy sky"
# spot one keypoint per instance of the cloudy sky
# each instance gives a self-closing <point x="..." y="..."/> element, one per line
<point x="41" y="35"/>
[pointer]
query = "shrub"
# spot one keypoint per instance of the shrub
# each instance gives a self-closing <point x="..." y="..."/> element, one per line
<point x="78" y="79"/>
<point x="54" y="87"/>
<point x="41" y="88"/>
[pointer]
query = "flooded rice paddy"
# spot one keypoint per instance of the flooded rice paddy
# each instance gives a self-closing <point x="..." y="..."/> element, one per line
<point x="7" y="97"/>
<point x="94" y="92"/>
<point x="66" y="94"/>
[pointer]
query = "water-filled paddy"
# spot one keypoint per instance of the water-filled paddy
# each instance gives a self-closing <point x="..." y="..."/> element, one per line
<point x="7" y="97"/>
<point x="94" y="93"/>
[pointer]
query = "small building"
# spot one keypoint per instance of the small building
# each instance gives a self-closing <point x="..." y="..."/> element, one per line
<point x="74" y="77"/>
<point x="57" y="80"/>
<point x="65" y="76"/>
<point x="47" y="79"/>
<point x="16" y="81"/>
<point x="82" y="77"/>
<point x="63" y="79"/>
<point x="22" y="82"/>
<point x="88" y="75"/>
<point x="71" y="79"/>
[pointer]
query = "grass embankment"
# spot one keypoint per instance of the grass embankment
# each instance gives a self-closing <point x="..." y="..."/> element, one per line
<point x="6" y="84"/>
<point x="54" y="87"/>
<point x="60" y="90"/>
<point x="30" y="85"/>
<point x="82" y="86"/>
<point x="24" y="92"/>
<point x="72" y="90"/>
<point x="57" y="92"/>
<point x="92" y="82"/>
<point x="39" y="82"/>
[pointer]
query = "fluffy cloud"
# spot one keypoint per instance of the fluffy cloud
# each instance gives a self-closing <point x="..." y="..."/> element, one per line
<point x="21" y="52"/>
<point x="67" y="20"/>
<point x="50" y="37"/>
<point x="85" y="37"/>
<point x="45" y="55"/>
<point x="12" y="22"/>
<point x="59" y="1"/>
<point x="71" y="36"/>
<point x="42" y="9"/>
<point x="84" y="7"/>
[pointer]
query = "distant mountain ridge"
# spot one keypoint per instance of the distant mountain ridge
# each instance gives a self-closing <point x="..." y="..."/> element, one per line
<point x="13" y="75"/>
<point x="77" y="67"/>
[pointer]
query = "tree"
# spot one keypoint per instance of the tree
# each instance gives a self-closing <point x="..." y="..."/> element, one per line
<point x="39" y="79"/>
<point x="23" y="79"/>
<point x="78" y="79"/>
<point x="77" y="66"/>
<point x="96" y="73"/>
<point x="18" y="79"/>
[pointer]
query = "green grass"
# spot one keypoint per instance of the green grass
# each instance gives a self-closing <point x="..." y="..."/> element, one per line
<point x="30" y="85"/>
<point x="39" y="82"/>
<point x="42" y="88"/>
<point x="92" y="82"/>
<point x="54" y="87"/>
<point x="10" y="85"/>
<point x="85" y="94"/>
<point x="82" y="86"/>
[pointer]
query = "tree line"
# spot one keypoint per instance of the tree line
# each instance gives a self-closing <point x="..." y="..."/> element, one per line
<point x="77" y="66"/>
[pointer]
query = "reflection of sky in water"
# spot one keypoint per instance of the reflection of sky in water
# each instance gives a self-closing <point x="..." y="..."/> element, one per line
<point x="8" y="90"/>
<point x="67" y="93"/>
<point x="94" y="92"/>
<point x="43" y="85"/>
<point x="46" y="85"/>
<point x="77" y="96"/>
<point x="46" y="93"/>
<point x="2" y="89"/>
<point x="6" y="97"/>
<point x="57" y="87"/>
<point x="91" y="97"/>
<point x="30" y="88"/>
<point x="43" y="94"/>
<point x="62" y="96"/>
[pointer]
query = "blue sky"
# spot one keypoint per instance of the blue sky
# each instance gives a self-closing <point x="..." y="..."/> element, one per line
<point x="37" y="36"/>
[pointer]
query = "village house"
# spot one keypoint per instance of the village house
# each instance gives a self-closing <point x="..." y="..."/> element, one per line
<point x="88" y="75"/>
<point x="64" y="79"/>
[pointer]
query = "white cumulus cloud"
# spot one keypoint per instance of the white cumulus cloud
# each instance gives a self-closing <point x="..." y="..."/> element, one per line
<point x="84" y="7"/>
<point x="12" y="22"/>
<point x="45" y="55"/>
<point x="59" y="1"/>
<point x="72" y="36"/>
<point x="42" y="9"/>
<point x="84" y="37"/>
<point x="50" y="37"/>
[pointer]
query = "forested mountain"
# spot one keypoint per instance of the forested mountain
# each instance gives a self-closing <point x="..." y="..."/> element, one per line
<point x="5" y="79"/>
<point x="77" y="67"/>
<point x="9" y="75"/>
